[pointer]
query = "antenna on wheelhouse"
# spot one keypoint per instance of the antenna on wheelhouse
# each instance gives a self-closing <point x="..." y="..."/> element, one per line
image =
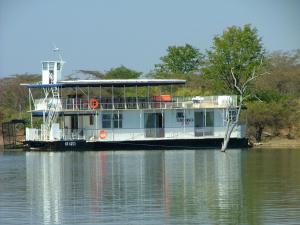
<point x="58" y="51"/>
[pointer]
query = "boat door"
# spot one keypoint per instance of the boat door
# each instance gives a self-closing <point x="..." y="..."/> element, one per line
<point x="199" y="123"/>
<point x="204" y="123"/>
<point x="154" y="125"/>
<point x="74" y="122"/>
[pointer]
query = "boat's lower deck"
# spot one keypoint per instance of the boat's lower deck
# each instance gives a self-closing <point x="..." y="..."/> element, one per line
<point x="82" y="145"/>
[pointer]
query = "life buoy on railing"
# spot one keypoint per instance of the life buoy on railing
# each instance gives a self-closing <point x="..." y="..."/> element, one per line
<point x="102" y="134"/>
<point x="94" y="104"/>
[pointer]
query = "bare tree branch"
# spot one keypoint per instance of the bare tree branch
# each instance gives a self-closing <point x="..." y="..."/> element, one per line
<point x="235" y="82"/>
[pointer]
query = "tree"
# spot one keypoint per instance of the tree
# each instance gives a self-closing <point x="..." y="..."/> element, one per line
<point x="275" y="115"/>
<point x="93" y="73"/>
<point x="284" y="68"/>
<point x="122" y="73"/>
<point x="180" y="59"/>
<point x="13" y="97"/>
<point x="235" y="59"/>
<point x="259" y="115"/>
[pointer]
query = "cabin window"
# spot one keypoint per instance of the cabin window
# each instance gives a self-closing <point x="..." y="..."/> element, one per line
<point x="204" y="123"/>
<point x="118" y="120"/>
<point x="51" y="65"/>
<point x="91" y="119"/>
<point x="232" y="115"/>
<point x="58" y="66"/>
<point x="204" y="119"/>
<point x="179" y="116"/>
<point x="209" y="118"/>
<point x="45" y="66"/>
<point x="106" y="121"/>
<point x="112" y="120"/>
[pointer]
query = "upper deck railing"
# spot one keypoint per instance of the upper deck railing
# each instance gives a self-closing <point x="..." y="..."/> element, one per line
<point x="106" y="103"/>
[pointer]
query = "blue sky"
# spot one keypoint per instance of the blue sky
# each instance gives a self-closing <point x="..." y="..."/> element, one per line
<point x="100" y="35"/>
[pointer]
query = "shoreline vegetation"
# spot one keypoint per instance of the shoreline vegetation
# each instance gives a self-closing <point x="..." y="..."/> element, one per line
<point x="271" y="106"/>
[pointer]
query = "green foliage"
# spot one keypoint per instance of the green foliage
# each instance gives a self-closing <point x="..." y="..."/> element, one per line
<point x="284" y="78"/>
<point x="180" y="59"/>
<point x="238" y="50"/>
<point x="196" y="84"/>
<point x="93" y="73"/>
<point x="280" y="91"/>
<point x="122" y="73"/>
<point x="269" y="95"/>
<point x="13" y="97"/>
<point x="272" y="115"/>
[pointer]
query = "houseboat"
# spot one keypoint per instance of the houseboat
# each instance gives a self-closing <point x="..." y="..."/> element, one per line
<point x="124" y="114"/>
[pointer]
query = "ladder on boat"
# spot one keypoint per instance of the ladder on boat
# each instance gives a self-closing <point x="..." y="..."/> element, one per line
<point x="52" y="113"/>
<point x="53" y="106"/>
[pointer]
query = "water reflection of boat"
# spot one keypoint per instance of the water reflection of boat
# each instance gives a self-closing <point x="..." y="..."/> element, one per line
<point x="181" y="185"/>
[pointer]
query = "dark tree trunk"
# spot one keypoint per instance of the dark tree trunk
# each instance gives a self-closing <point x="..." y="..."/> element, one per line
<point x="258" y="133"/>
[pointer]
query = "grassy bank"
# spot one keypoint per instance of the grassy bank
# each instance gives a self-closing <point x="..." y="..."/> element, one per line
<point x="278" y="142"/>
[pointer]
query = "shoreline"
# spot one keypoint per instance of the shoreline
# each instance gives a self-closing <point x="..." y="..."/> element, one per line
<point x="278" y="142"/>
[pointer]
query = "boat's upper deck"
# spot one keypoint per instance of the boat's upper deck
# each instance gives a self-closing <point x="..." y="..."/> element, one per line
<point x="129" y="103"/>
<point x="90" y="95"/>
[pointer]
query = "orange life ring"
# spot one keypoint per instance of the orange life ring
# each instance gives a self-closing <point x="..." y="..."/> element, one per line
<point x="102" y="134"/>
<point x="94" y="104"/>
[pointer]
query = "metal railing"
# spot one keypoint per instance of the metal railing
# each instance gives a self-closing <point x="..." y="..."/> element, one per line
<point x="77" y="104"/>
<point x="126" y="134"/>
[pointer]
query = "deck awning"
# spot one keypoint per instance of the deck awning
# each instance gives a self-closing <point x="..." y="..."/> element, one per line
<point x="42" y="85"/>
<point x="109" y="83"/>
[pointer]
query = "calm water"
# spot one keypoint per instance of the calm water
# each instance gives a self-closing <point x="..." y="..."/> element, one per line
<point x="151" y="187"/>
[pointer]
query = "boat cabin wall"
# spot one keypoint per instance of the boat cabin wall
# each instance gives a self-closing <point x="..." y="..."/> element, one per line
<point x="126" y="125"/>
<point x="135" y="119"/>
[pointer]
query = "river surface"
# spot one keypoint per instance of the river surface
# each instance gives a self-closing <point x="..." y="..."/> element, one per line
<point x="150" y="187"/>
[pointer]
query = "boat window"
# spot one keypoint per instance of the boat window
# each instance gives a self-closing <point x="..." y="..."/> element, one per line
<point x="51" y="65"/>
<point x="232" y="115"/>
<point x="45" y="66"/>
<point x="209" y="118"/>
<point x="179" y="116"/>
<point x="58" y="66"/>
<point x="91" y="119"/>
<point x="112" y="120"/>
<point x="106" y="121"/>
<point x="118" y="120"/>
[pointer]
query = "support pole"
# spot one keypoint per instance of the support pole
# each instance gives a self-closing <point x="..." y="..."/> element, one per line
<point x="148" y="96"/>
<point x="76" y="97"/>
<point x="112" y="97"/>
<point x="63" y="126"/>
<point x="100" y="90"/>
<point x="136" y="97"/>
<point x="160" y="96"/>
<point x="184" y="116"/>
<point x="29" y="91"/>
<point x="125" y="105"/>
